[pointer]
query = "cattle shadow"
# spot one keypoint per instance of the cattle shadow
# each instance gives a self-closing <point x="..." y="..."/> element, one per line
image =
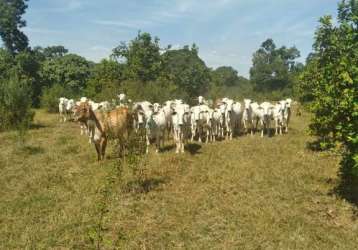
<point x="167" y="148"/>
<point x="36" y="126"/>
<point x="347" y="187"/>
<point x="193" y="148"/>
<point x="31" y="150"/>
<point x="144" y="186"/>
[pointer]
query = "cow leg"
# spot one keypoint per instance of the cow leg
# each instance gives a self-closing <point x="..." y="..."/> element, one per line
<point x="97" y="146"/>
<point x="200" y="132"/>
<point x="103" y="147"/>
<point x="262" y="128"/>
<point x="148" y="143"/>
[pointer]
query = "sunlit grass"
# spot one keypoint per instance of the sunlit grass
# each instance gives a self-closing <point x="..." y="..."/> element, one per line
<point x="248" y="193"/>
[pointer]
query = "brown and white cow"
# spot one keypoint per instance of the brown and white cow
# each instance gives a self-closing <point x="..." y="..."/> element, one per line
<point x="116" y="123"/>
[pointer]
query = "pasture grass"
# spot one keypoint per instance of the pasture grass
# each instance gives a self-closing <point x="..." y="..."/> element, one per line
<point x="249" y="193"/>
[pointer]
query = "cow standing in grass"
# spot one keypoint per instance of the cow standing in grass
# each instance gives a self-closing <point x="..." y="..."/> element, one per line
<point x="62" y="108"/>
<point x="116" y="123"/>
<point x="181" y="125"/>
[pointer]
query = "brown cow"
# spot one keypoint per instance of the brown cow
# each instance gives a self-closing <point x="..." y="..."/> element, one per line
<point x="116" y="123"/>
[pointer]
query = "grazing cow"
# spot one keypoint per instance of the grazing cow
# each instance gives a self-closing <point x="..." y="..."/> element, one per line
<point x="278" y="116"/>
<point x="181" y="123"/>
<point x="116" y="122"/>
<point x="62" y="109"/>
<point x="142" y="111"/>
<point x="246" y="116"/>
<point x="287" y="113"/>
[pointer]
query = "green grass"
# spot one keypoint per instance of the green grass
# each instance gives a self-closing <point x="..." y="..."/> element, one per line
<point x="249" y="193"/>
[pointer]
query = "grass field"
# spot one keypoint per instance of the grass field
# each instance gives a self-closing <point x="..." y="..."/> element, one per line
<point x="249" y="193"/>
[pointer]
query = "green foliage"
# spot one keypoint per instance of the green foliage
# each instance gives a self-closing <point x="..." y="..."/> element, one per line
<point x="105" y="80"/>
<point x="330" y="82"/>
<point x="51" y="95"/>
<point x="11" y="23"/>
<point x="153" y="91"/>
<point x="187" y="70"/>
<point x="273" y="69"/>
<point x="15" y="104"/>
<point x="226" y="82"/>
<point x="71" y="71"/>
<point x="141" y="56"/>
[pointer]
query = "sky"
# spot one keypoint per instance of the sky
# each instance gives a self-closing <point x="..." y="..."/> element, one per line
<point x="227" y="32"/>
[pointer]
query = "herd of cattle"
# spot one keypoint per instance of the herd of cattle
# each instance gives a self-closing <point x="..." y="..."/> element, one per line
<point x="200" y="122"/>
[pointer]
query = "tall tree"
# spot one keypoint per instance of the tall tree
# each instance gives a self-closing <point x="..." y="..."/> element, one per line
<point x="11" y="22"/>
<point x="272" y="67"/>
<point x="185" y="68"/>
<point x="142" y="57"/>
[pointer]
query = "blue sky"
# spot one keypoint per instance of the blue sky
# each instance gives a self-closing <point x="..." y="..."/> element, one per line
<point x="226" y="31"/>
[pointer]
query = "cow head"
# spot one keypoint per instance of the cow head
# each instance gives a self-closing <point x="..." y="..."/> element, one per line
<point x="288" y="102"/>
<point x="267" y="109"/>
<point x="200" y="99"/>
<point x="82" y="112"/>
<point x="156" y="107"/>
<point x="247" y="103"/>
<point x="180" y="114"/>
<point x="139" y="115"/>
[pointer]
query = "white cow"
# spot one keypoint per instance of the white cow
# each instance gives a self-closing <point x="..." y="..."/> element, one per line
<point x="155" y="127"/>
<point x="143" y="111"/>
<point x="62" y="109"/>
<point x="69" y="107"/>
<point x="181" y="123"/>
<point x="232" y="116"/>
<point x="122" y="100"/>
<point x="222" y="106"/>
<point x="94" y="105"/>
<point x="199" y="122"/>
<point x="105" y="106"/>
<point x="167" y="108"/>
<point x="278" y="116"/>
<point x="256" y="115"/>
<point x="263" y="113"/>
<point x="215" y="123"/>
<point x="246" y="116"/>
<point x="287" y="113"/>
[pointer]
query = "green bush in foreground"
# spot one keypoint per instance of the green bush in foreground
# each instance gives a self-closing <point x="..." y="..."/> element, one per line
<point x="330" y="81"/>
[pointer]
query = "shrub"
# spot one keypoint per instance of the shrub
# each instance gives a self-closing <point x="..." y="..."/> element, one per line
<point x="330" y="83"/>
<point x="50" y="97"/>
<point x="15" y="104"/>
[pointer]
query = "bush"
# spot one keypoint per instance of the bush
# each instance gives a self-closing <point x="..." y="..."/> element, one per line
<point x="50" y="97"/>
<point x="329" y="81"/>
<point x="15" y="104"/>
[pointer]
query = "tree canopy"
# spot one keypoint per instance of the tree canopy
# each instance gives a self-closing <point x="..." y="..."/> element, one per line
<point x="271" y="67"/>
<point x="11" y="22"/>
